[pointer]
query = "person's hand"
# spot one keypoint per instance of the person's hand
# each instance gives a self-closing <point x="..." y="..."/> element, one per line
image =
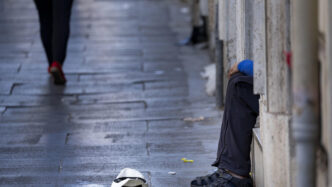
<point x="233" y="70"/>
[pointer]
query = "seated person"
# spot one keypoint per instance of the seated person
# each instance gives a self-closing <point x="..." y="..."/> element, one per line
<point x="241" y="111"/>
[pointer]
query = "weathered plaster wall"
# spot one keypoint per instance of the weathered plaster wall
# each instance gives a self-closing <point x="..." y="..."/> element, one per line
<point x="278" y="73"/>
<point x="259" y="46"/>
<point x="276" y="119"/>
<point x="270" y="38"/>
<point x="248" y="28"/>
<point x="276" y="159"/>
<point x="322" y="155"/>
<point x="230" y="39"/>
<point x="212" y="28"/>
<point x="329" y="100"/>
<point x="240" y="30"/>
<point x="222" y="13"/>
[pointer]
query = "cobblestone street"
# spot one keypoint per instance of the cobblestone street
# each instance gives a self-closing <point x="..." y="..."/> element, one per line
<point x="129" y="88"/>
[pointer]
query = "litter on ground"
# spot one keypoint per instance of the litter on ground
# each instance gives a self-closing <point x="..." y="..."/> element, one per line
<point x="190" y="119"/>
<point x="186" y="160"/>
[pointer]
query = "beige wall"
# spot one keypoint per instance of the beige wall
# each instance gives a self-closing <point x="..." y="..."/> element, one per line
<point x="329" y="100"/>
<point x="322" y="167"/>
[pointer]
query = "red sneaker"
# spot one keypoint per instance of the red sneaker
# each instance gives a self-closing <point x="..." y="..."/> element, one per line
<point x="56" y="70"/>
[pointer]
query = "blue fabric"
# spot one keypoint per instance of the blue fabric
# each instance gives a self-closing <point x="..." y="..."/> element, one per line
<point x="246" y="67"/>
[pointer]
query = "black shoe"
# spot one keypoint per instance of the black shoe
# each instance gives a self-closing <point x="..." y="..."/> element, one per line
<point x="198" y="34"/>
<point x="220" y="178"/>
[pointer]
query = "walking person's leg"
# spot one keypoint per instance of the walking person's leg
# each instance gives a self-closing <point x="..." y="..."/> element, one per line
<point x="233" y="158"/>
<point x="61" y="10"/>
<point x="44" y="8"/>
<point x="61" y="28"/>
<point x="199" y="23"/>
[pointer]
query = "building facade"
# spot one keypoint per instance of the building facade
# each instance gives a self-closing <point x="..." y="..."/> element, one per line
<point x="289" y="40"/>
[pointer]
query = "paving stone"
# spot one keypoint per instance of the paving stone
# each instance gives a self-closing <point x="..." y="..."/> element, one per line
<point x="2" y="109"/>
<point x="6" y="87"/>
<point x="12" y="68"/>
<point x="160" y="164"/>
<point x="30" y="100"/>
<point x="19" y="152"/>
<point x="133" y="96"/>
<point x="135" y="77"/>
<point x="41" y="110"/>
<point x="85" y="68"/>
<point x="29" y="139"/>
<point x="29" y="180"/>
<point x="139" y="115"/>
<point x="164" y="84"/>
<point x="28" y="77"/>
<point x="77" y="88"/>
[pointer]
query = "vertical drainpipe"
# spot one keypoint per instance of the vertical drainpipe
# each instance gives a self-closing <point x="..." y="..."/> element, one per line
<point x="219" y="58"/>
<point x="305" y="87"/>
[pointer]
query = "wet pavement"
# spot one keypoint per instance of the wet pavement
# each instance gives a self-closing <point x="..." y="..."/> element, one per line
<point x="129" y="88"/>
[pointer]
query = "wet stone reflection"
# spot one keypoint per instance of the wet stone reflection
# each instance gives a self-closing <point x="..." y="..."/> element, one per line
<point x="129" y="87"/>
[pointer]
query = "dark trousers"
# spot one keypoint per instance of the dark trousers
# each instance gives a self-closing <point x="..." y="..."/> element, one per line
<point x="54" y="17"/>
<point x="241" y="111"/>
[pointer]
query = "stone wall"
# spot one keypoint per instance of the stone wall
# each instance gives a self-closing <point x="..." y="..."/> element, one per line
<point x="322" y="156"/>
<point x="260" y="30"/>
